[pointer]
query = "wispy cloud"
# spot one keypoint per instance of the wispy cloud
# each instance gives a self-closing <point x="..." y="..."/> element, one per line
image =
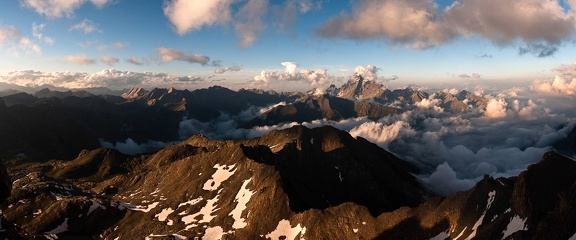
<point x="233" y="68"/>
<point x="167" y="55"/>
<point x="109" y="60"/>
<point x="134" y="60"/>
<point x="59" y="8"/>
<point x="86" y="26"/>
<point x="12" y="38"/>
<point x="115" y="46"/>
<point x="79" y="59"/>
<point x="37" y="30"/>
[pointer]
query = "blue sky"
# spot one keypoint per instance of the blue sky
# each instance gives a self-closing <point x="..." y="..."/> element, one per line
<point x="423" y="42"/>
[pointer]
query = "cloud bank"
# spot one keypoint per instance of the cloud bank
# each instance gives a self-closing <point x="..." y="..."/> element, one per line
<point x="110" y="78"/>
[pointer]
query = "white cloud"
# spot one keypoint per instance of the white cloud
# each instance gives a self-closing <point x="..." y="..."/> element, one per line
<point x="79" y="59"/>
<point x="11" y="37"/>
<point x="86" y="26"/>
<point x="496" y="108"/>
<point x="100" y="3"/>
<point x="37" y="30"/>
<point x="316" y="77"/>
<point x="190" y="15"/>
<point x="109" y="60"/>
<point x="168" y="55"/>
<point x="368" y="72"/>
<point x="59" y="8"/>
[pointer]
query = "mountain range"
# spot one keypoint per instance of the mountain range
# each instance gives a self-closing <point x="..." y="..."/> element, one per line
<point x="298" y="182"/>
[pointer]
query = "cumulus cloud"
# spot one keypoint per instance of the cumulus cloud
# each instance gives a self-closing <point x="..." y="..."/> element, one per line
<point x="109" y="60"/>
<point x="134" y="60"/>
<point x="59" y="8"/>
<point x="79" y="59"/>
<point x="407" y="22"/>
<point x="368" y="72"/>
<point x="233" y="68"/>
<point x="316" y="77"/>
<point x="496" y="108"/>
<point x="11" y="37"/>
<point x="168" y="55"/>
<point x="37" y="30"/>
<point x="540" y="24"/>
<point x="86" y="26"/>
<point x="562" y="84"/>
<point x="530" y="21"/>
<point x="110" y="78"/>
<point x="558" y="86"/>
<point x="189" y="15"/>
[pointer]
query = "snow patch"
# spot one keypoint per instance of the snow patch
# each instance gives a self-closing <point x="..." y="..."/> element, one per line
<point x="461" y="233"/>
<point x="162" y="216"/>
<point x="206" y="213"/>
<point x="284" y="229"/>
<point x="176" y="236"/>
<point x="95" y="205"/>
<point x="491" y="196"/>
<point x="38" y="212"/>
<point x="573" y="237"/>
<point x="222" y="173"/>
<point x="441" y="236"/>
<point x="242" y="199"/>
<point x="516" y="224"/>
<point x="213" y="233"/>
<point x="355" y="230"/>
<point x="191" y="202"/>
<point x="60" y="229"/>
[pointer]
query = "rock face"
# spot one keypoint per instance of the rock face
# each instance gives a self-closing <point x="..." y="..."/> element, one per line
<point x="289" y="184"/>
<point x="314" y="107"/>
<point x="275" y="185"/>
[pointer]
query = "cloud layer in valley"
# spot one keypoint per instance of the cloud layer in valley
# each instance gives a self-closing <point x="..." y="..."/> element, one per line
<point x="453" y="150"/>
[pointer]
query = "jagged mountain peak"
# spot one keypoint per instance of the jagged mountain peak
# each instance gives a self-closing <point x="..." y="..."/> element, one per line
<point x="134" y="92"/>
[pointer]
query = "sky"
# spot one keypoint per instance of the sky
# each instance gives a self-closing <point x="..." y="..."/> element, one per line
<point x="286" y="45"/>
